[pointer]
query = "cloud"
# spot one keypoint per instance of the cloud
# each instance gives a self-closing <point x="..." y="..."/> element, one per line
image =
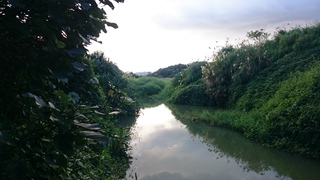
<point x="210" y="14"/>
<point x="154" y="34"/>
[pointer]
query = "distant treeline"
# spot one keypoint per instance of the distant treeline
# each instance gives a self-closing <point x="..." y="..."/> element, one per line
<point x="168" y="72"/>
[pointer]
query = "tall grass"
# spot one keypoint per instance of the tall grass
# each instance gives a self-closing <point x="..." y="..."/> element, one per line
<point x="234" y="66"/>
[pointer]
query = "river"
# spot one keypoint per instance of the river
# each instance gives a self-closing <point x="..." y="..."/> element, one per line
<point x="166" y="146"/>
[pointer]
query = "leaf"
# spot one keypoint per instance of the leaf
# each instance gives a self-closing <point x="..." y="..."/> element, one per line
<point x="51" y="105"/>
<point x="95" y="136"/>
<point x="28" y="95"/>
<point x="85" y="41"/>
<point x="63" y="96"/>
<point x="5" y="138"/>
<point x="97" y="112"/>
<point x="60" y="44"/>
<point x="94" y="127"/>
<point x="38" y="100"/>
<point x="94" y="80"/>
<point x="114" y="112"/>
<point x="75" y="52"/>
<point x="94" y="107"/>
<point x="85" y="6"/>
<point x="79" y="115"/>
<point x="60" y="76"/>
<point x="74" y="96"/>
<point x="114" y="25"/>
<point x="78" y="66"/>
<point x="107" y="2"/>
<point x="54" y="119"/>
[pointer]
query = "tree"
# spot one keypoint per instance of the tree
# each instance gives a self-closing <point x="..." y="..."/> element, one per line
<point x="49" y="108"/>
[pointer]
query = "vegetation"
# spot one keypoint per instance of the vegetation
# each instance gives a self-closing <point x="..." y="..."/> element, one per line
<point x="57" y="108"/>
<point x="168" y="72"/>
<point x="146" y="86"/>
<point x="189" y="88"/>
<point x="271" y="88"/>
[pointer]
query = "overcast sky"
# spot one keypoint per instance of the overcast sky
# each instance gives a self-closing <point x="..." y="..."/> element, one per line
<point x="154" y="34"/>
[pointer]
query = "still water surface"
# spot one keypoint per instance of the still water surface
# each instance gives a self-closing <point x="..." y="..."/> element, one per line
<point x="168" y="147"/>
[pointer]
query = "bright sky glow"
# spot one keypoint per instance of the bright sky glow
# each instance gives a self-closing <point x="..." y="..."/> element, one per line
<point x="154" y="34"/>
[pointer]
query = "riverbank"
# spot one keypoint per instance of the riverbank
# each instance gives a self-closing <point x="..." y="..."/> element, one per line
<point x="247" y="124"/>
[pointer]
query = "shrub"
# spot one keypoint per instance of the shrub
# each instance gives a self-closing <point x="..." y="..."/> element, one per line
<point x="191" y="95"/>
<point x="146" y="86"/>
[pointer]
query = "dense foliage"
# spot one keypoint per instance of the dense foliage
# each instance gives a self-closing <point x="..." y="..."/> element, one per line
<point x="189" y="87"/>
<point x="146" y="86"/>
<point x="56" y="119"/>
<point x="169" y="71"/>
<point x="114" y="85"/>
<point x="271" y="87"/>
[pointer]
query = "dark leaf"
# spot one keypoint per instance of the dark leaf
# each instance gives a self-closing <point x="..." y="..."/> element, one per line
<point x="51" y="105"/>
<point x="114" y="25"/>
<point x="38" y="100"/>
<point x="74" y="97"/>
<point x="94" y="80"/>
<point x="85" y="41"/>
<point x="85" y="6"/>
<point x="97" y="112"/>
<point x="76" y="52"/>
<point x="81" y="116"/>
<point x="5" y="138"/>
<point x="94" y="107"/>
<point x="60" y="44"/>
<point x="94" y="127"/>
<point x="54" y="119"/>
<point x="78" y="66"/>
<point x="95" y="136"/>
<point x="107" y="2"/>
<point x="28" y="95"/>
<point x="60" y="76"/>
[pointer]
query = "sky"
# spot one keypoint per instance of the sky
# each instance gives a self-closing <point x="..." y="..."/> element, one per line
<point x="155" y="34"/>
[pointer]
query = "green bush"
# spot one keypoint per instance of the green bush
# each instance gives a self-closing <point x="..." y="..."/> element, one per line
<point x="146" y="86"/>
<point x="189" y="88"/>
<point x="191" y="95"/>
<point x="292" y="114"/>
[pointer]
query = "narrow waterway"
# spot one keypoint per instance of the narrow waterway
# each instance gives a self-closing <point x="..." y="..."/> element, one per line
<point x="165" y="146"/>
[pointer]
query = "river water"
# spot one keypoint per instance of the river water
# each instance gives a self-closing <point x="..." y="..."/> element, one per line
<point x="166" y="146"/>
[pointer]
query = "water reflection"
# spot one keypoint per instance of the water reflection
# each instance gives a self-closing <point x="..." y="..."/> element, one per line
<point x="169" y="146"/>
